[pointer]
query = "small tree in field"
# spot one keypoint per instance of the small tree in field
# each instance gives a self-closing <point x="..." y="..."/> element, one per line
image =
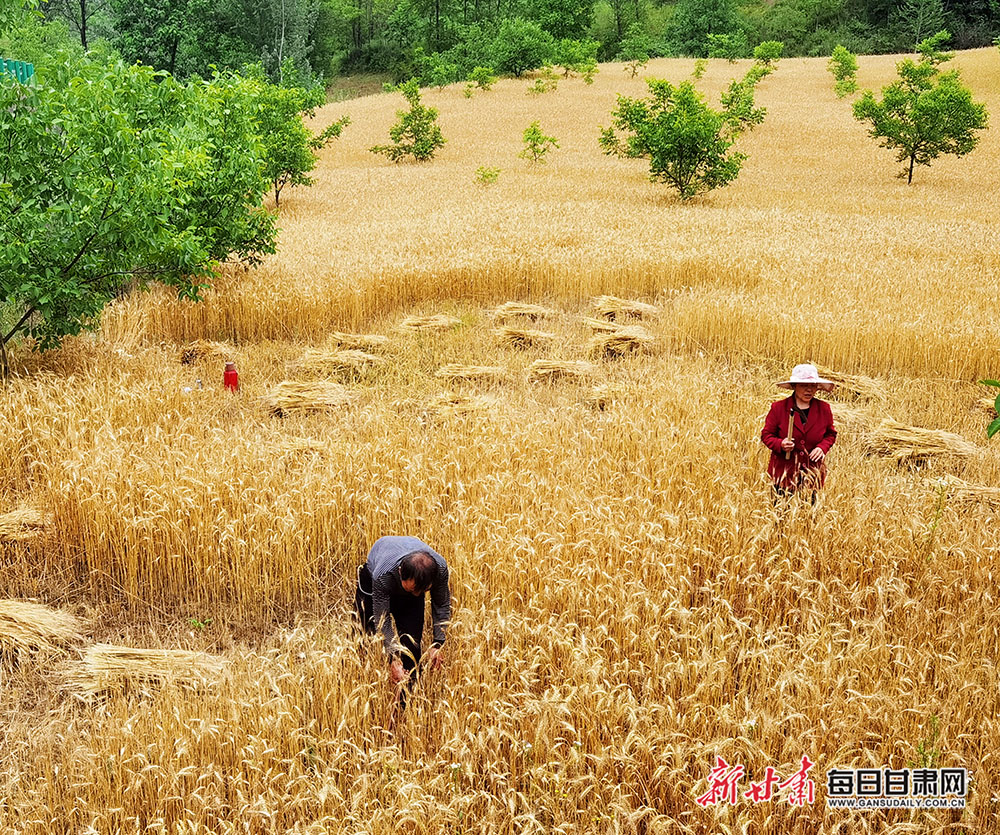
<point x="417" y="133"/>
<point x="688" y="144"/>
<point x="635" y="49"/>
<point x="728" y="46"/>
<point x="536" y="143"/>
<point x="926" y="113"/>
<point x="843" y="65"/>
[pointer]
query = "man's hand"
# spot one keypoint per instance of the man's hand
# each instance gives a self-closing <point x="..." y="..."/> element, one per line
<point x="434" y="658"/>
<point x="787" y="445"/>
<point x="817" y="455"/>
<point x="396" y="671"/>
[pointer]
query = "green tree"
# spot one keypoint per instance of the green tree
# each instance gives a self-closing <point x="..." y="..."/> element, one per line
<point x="578" y="57"/>
<point x="115" y="176"/>
<point x="729" y="46"/>
<point x="694" y="20"/>
<point x="926" y="112"/>
<point x="521" y="45"/>
<point x="483" y="77"/>
<point x="843" y="65"/>
<point x="768" y="53"/>
<point x="536" y="143"/>
<point x="635" y="49"/>
<point x="738" y="103"/>
<point x="417" y="133"/>
<point x="688" y="144"/>
<point x="919" y="19"/>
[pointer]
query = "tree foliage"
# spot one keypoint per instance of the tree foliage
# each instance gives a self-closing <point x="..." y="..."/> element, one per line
<point x="689" y="144"/>
<point x="416" y="133"/>
<point x="994" y="426"/>
<point x="843" y="65"/>
<point x="114" y="176"/>
<point x="536" y="143"/>
<point x="694" y="20"/>
<point x="926" y="113"/>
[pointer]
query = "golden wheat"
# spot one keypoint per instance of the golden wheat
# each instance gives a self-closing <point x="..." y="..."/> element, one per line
<point x="615" y="308"/>
<point x="291" y="396"/>
<point x="20" y="525"/>
<point x="33" y="628"/>
<point x="525" y="337"/>
<point x="896" y="440"/>
<point x="455" y="373"/>
<point x="550" y="370"/>
<point x="105" y="668"/>
<point x="353" y="360"/>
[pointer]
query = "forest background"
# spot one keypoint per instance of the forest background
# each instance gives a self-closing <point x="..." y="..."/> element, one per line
<point x="403" y="38"/>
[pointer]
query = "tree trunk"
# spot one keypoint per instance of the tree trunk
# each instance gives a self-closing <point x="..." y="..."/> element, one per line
<point x="83" y="23"/>
<point x="910" y="178"/>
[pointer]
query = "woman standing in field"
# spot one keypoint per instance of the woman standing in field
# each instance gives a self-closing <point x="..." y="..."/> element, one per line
<point x="799" y="432"/>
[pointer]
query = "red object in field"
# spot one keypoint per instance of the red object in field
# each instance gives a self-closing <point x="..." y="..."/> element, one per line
<point x="231" y="377"/>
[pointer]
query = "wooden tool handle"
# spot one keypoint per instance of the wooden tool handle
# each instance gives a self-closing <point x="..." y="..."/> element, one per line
<point x="791" y="430"/>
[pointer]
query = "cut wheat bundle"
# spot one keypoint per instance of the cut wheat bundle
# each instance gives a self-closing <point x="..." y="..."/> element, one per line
<point x="358" y="341"/>
<point x="21" y="525"/>
<point x="620" y="341"/>
<point x="857" y="385"/>
<point x="967" y="493"/>
<point x="107" y="669"/>
<point x="525" y="337"/>
<point x="447" y="404"/>
<point x="544" y="371"/>
<point x="612" y="307"/>
<point x="202" y="349"/>
<point x="844" y="415"/>
<point x="293" y="396"/>
<point x="437" y="322"/>
<point x="353" y="360"/>
<point x="513" y="310"/>
<point x="913" y="443"/>
<point x="27" y="628"/>
<point x="601" y="397"/>
<point x="455" y="373"/>
<point x="601" y="325"/>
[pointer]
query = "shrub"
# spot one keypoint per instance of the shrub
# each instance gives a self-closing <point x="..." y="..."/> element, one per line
<point x="843" y="65"/>
<point x="536" y="143"/>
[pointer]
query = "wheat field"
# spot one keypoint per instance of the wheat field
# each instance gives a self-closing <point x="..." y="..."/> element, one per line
<point x="628" y="602"/>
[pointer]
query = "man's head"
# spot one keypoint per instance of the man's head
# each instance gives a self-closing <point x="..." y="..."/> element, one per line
<point x="417" y="572"/>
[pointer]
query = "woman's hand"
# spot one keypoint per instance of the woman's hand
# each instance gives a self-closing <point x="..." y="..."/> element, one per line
<point x="817" y="455"/>
<point x="396" y="671"/>
<point x="787" y="445"/>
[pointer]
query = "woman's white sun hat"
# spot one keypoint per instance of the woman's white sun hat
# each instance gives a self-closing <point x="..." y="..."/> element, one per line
<point x="806" y="373"/>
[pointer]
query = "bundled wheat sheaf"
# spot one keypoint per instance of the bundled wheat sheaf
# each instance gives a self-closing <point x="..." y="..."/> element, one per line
<point x="963" y="491"/>
<point x="602" y="396"/>
<point x="513" y="310"/>
<point x="435" y="322"/>
<point x="106" y="668"/>
<point x="901" y="442"/>
<point x="850" y="416"/>
<point x="34" y="628"/>
<point x="625" y="340"/>
<point x="294" y="396"/>
<point x="203" y="349"/>
<point x="358" y="341"/>
<point x="541" y="371"/>
<point x="524" y="337"/>
<point x="602" y="325"/>
<point x="861" y="387"/>
<point x="447" y="405"/>
<point x="318" y="361"/>
<point x="21" y="525"/>
<point x="613" y="307"/>
<point x="455" y="373"/>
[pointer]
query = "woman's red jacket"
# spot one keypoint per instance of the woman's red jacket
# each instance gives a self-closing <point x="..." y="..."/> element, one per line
<point x="818" y="431"/>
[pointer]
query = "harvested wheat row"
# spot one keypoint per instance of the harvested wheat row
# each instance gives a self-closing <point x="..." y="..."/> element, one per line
<point x="34" y="628"/>
<point x="202" y="349"/>
<point x="512" y="310"/>
<point x="859" y="386"/>
<point x="318" y="361"/>
<point x="525" y="337"/>
<point x="550" y="370"/>
<point x="968" y="493"/>
<point x="106" y="668"/>
<point x="293" y="396"/>
<point x="455" y="373"/>
<point x="613" y="307"/>
<point x="437" y="322"/>
<point x="896" y="440"/>
<point x="358" y="341"/>
<point x="21" y="525"/>
<point x="621" y="341"/>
